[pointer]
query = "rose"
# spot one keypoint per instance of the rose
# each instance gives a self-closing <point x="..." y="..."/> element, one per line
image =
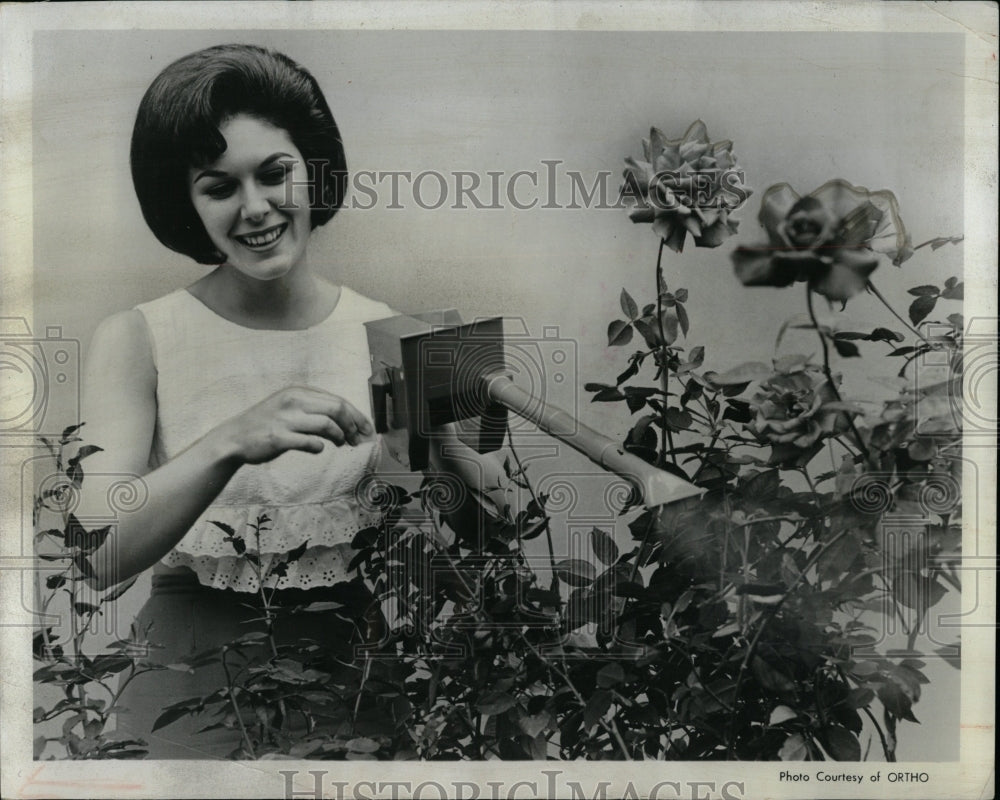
<point x="830" y="238"/>
<point x="794" y="413"/>
<point x="686" y="185"/>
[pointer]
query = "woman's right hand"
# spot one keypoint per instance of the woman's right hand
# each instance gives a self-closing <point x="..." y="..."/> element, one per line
<point x="296" y="418"/>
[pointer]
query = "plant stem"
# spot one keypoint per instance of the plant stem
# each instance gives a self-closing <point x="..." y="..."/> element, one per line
<point x="534" y="497"/>
<point x="763" y="625"/>
<point x="236" y="707"/>
<point x="611" y="728"/>
<point x="890" y="752"/>
<point x="909" y="327"/>
<point x="666" y="436"/>
<point x="829" y="374"/>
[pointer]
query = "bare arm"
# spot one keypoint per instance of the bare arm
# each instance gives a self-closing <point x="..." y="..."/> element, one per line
<point x="119" y="409"/>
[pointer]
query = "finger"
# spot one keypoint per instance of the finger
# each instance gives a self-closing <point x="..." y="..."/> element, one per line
<point x="352" y="422"/>
<point x="306" y="443"/>
<point x="322" y="425"/>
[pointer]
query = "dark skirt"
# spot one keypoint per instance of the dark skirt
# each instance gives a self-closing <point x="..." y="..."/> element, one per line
<point x="184" y="618"/>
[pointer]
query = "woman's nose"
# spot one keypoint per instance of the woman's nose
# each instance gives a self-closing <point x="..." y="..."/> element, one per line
<point x="255" y="204"/>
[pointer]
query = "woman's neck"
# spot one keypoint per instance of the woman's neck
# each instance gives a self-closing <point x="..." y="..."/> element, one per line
<point x="294" y="301"/>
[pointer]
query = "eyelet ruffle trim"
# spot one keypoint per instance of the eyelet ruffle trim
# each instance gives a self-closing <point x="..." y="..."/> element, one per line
<point x="328" y="528"/>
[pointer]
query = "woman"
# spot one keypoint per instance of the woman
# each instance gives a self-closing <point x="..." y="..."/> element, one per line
<point x="239" y="396"/>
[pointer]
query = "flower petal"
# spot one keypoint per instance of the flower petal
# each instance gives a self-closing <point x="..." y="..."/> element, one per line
<point x="758" y="267"/>
<point x="697" y="132"/>
<point x="777" y="201"/>
<point x="715" y="234"/>
<point x="840" y="197"/>
<point x="858" y="226"/>
<point x="846" y="276"/>
<point x="642" y="214"/>
<point x="891" y="237"/>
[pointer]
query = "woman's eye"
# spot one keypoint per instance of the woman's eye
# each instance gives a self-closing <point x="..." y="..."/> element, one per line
<point x="219" y="191"/>
<point x="274" y="176"/>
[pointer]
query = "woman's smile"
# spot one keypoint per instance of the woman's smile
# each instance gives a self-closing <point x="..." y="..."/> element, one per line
<point x="261" y="241"/>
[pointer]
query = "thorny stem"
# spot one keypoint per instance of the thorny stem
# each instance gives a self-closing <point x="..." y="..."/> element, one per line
<point x="829" y="374"/>
<point x="666" y="436"/>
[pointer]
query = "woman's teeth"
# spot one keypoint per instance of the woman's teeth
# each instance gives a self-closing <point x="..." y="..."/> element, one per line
<point x="262" y="239"/>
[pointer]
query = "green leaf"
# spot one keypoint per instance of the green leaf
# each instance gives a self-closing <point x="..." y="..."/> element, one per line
<point x="619" y="333"/>
<point x="532" y="725"/>
<point x="895" y="701"/>
<point x="794" y="748"/>
<point x="859" y="698"/>
<point x="669" y="322"/>
<point x="770" y="678"/>
<point x="925" y="291"/>
<point x="223" y="526"/>
<point x="682" y="318"/>
<point x="296" y="554"/>
<point x="941" y="241"/>
<point x="362" y="744"/>
<point x="921" y="307"/>
<point x="952" y="654"/>
<point x="609" y="395"/>
<point x="846" y="349"/>
<point x="597" y="707"/>
<point x="604" y="546"/>
<point x="649" y="332"/>
<point x="681" y="295"/>
<point x="495" y="702"/>
<point x="629" y="308"/>
<point x="576" y="572"/>
<point x="55" y="581"/>
<point x="841" y="743"/>
<point x="744" y="373"/>
<point x="956" y="292"/>
<point x="610" y="675"/>
<point x="171" y="715"/>
<point x="120" y="589"/>
<point x="678" y="419"/>
<point x="781" y="714"/>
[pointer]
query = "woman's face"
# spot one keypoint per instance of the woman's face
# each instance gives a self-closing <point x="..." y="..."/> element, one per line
<point x="254" y="199"/>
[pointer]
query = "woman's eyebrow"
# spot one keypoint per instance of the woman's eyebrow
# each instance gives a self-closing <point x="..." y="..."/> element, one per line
<point x="214" y="173"/>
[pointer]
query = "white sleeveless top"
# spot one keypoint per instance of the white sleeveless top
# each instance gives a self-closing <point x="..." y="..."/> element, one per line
<point x="209" y="370"/>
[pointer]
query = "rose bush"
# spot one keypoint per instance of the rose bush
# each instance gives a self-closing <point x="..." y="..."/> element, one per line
<point x="831" y="238"/>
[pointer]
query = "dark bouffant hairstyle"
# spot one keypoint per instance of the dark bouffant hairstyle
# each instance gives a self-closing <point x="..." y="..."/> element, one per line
<point x="177" y="127"/>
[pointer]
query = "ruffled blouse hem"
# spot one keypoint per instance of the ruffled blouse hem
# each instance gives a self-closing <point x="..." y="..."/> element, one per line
<point x="282" y="527"/>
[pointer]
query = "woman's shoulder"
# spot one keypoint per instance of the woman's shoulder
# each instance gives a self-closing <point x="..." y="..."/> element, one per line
<point x="356" y="306"/>
<point x="121" y="344"/>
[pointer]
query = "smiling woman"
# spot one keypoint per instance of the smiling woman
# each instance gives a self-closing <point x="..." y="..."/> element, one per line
<point x="233" y="402"/>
